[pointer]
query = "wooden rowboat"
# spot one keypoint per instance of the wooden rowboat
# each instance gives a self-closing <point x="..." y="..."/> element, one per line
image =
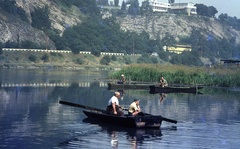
<point x="146" y="121"/>
<point x="159" y="89"/>
<point x="128" y="86"/>
<point x="143" y="121"/>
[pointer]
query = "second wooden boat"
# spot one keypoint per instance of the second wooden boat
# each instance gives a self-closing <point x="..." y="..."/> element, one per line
<point x="160" y="89"/>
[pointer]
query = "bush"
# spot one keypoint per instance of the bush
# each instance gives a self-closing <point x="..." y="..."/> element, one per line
<point x="105" y="60"/>
<point x="45" y="58"/>
<point x="79" y="61"/>
<point x="32" y="58"/>
<point x="114" y="58"/>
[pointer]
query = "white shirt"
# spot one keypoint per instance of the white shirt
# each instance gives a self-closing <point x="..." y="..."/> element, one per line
<point x="112" y="100"/>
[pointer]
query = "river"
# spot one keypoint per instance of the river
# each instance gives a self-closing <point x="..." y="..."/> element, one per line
<point x="31" y="116"/>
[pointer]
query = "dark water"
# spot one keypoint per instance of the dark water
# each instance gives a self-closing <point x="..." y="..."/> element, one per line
<point x="31" y="117"/>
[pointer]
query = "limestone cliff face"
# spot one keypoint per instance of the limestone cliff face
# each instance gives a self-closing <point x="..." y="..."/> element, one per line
<point x="177" y="26"/>
<point x="13" y="29"/>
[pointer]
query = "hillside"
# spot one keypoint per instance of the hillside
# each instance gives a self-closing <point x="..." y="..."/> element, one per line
<point x="18" y="59"/>
<point x="210" y="39"/>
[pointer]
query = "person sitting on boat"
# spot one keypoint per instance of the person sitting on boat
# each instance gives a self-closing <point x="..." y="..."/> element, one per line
<point x="134" y="109"/>
<point x="163" y="82"/>
<point x="113" y="105"/>
<point x="122" y="80"/>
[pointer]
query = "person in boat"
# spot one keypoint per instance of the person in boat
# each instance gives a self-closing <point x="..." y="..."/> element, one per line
<point x="134" y="108"/>
<point x="113" y="105"/>
<point x="123" y="79"/>
<point x="163" y="82"/>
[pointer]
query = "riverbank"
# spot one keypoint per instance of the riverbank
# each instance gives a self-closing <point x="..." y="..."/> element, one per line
<point x="185" y="75"/>
<point x="29" y="59"/>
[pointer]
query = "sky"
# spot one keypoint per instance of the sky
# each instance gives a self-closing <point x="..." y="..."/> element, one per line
<point x="230" y="7"/>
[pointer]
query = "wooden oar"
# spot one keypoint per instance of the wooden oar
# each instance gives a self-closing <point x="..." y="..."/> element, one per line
<point x="80" y="106"/>
<point x="91" y="108"/>
<point x="163" y="118"/>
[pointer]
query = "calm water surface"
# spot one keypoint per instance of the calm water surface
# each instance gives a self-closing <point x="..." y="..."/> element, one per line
<point x="31" y="117"/>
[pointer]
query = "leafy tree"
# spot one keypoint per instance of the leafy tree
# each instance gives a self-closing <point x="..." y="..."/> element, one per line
<point x="102" y="2"/>
<point x="79" y="61"/>
<point x="134" y="8"/>
<point x="205" y="10"/>
<point x="32" y="58"/>
<point x="114" y="58"/>
<point x="116" y="2"/>
<point x="45" y="58"/>
<point x="231" y="21"/>
<point x="1" y="46"/>
<point x="146" y="8"/>
<point x="105" y="60"/>
<point x="29" y="45"/>
<point x="123" y="6"/>
<point x="40" y="18"/>
<point x="11" y="7"/>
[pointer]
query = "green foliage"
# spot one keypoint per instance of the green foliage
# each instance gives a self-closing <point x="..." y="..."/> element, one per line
<point x="79" y="61"/>
<point x="29" y="45"/>
<point x="134" y="8"/>
<point x="114" y="58"/>
<point x="186" y="58"/>
<point x="154" y="60"/>
<point x="205" y="10"/>
<point x="179" y="74"/>
<point x="234" y="22"/>
<point x="105" y="60"/>
<point x="32" y="58"/>
<point x="56" y="54"/>
<point x="127" y="60"/>
<point x="45" y="58"/>
<point x="1" y="46"/>
<point x="40" y="18"/>
<point x="11" y="7"/>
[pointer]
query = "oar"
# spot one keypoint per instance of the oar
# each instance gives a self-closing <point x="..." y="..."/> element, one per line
<point x="163" y="118"/>
<point x="80" y="106"/>
<point x="91" y="108"/>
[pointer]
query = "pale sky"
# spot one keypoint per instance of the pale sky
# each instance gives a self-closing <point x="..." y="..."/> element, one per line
<point x="230" y="7"/>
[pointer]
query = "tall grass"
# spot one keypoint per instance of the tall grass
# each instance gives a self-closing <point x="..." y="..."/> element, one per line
<point x="178" y="74"/>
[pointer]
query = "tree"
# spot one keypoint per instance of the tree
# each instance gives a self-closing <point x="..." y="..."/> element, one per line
<point x="116" y="2"/>
<point x="40" y="18"/>
<point x="105" y="60"/>
<point x="124" y="6"/>
<point x="134" y="8"/>
<point x="206" y="11"/>
<point x="146" y="8"/>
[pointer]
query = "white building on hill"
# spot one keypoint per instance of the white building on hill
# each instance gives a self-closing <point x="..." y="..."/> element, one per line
<point x="187" y="8"/>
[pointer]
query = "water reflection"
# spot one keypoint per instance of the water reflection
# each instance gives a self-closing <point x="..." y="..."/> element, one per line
<point x="31" y="116"/>
<point x="133" y="136"/>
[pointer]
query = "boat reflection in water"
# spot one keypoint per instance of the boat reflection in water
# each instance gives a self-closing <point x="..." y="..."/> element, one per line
<point x="133" y="135"/>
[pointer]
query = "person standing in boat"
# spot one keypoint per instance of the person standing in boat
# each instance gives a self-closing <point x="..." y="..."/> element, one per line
<point x="113" y="105"/>
<point x="163" y="82"/>
<point x="123" y="79"/>
<point x="134" y="109"/>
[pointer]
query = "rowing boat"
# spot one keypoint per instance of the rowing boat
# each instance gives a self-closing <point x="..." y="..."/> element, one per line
<point x="160" y="89"/>
<point x="128" y="86"/>
<point x="143" y="121"/>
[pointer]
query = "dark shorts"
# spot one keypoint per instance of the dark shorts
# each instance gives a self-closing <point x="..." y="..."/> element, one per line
<point x="109" y="110"/>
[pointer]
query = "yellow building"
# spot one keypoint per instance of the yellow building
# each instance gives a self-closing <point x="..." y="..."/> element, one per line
<point x="179" y="48"/>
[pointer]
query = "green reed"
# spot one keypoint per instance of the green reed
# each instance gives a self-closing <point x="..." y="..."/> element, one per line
<point x="178" y="74"/>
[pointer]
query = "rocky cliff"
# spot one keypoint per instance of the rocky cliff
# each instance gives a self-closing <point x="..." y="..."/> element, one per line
<point x="177" y="26"/>
<point x="13" y="29"/>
